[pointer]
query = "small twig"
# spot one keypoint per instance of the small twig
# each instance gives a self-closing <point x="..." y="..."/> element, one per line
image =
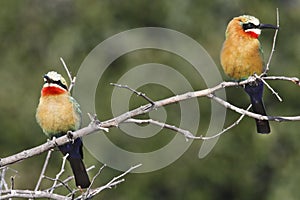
<point x="115" y="181"/>
<point x="94" y="178"/>
<point x="60" y="172"/>
<point x="60" y="182"/>
<point x="283" y="78"/>
<point x="228" y="128"/>
<point x="273" y="45"/>
<point x="43" y="170"/>
<point x="64" y="182"/>
<point x="72" y="80"/>
<point x="187" y="134"/>
<point x="270" y="88"/>
<point x="134" y="91"/>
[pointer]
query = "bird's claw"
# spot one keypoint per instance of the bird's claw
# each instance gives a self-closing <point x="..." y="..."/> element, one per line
<point x="70" y="136"/>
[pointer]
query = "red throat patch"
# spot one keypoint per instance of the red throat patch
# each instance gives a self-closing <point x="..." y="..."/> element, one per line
<point x="252" y="34"/>
<point x="51" y="90"/>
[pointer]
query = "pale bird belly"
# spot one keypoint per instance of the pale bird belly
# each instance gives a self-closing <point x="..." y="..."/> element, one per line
<point x="57" y="119"/>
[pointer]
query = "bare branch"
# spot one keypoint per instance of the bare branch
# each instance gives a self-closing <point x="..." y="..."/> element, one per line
<point x="270" y="88"/>
<point x="7" y="194"/>
<point x="2" y="179"/>
<point x="283" y="78"/>
<point x="115" y="181"/>
<point x="94" y="178"/>
<point x="96" y="125"/>
<point x="72" y="80"/>
<point x="228" y="128"/>
<point x="64" y="182"/>
<point x="134" y="91"/>
<point x="62" y="169"/>
<point x="43" y="170"/>
<point x="187" y="134"/>
<point x="273" y="45"/>
<point x="31" y="194"/>
<point x="251" y="114"/>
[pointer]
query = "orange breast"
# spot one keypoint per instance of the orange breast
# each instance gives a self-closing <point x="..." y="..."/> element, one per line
<point x="56" y="114"/>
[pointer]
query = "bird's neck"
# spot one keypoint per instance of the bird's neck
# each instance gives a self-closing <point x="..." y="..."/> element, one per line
<point x="52" y="90"/>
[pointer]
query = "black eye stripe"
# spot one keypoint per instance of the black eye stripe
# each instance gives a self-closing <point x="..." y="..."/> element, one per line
<point x="249" y="26"/>
<point x="61" y="84"/>
<point x="58" y="83"/>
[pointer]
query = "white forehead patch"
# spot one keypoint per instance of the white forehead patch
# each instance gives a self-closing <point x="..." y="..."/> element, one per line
<point x="54" y="76"/>
<point x="251" y="19"/>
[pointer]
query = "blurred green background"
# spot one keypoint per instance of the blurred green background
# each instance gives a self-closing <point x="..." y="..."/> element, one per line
<point x="242" y="165"/>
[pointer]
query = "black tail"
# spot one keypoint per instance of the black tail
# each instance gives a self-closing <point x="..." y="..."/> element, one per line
<point x="262" y="126"/>
<point x="80" y="174"/>
<point x="74" y="149"/>
<point x="255" y="91"/>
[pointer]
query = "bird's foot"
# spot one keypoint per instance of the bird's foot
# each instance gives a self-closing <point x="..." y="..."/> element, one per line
<point x="70" y="136"/>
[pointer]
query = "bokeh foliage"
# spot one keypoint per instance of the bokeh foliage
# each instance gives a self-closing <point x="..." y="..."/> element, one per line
<point x="243" y="164"/>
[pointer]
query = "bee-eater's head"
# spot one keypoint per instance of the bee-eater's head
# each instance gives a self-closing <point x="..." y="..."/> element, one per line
<point x="54" y="84"/>
<point x="247" y="25"/>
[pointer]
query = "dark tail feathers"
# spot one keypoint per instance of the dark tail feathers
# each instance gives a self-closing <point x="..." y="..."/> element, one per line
<point x="80" y="174"/>
<point x="255" y="91"/>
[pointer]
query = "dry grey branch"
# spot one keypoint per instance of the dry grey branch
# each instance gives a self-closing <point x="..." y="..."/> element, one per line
<point x="112" y="183"/>
<point x="96" y="125"/>
<point x="187" y="134"/>
<point x="134" y="91"/>
<point x="72" y="80"/>
<point x="273" y="44"/>
<point x="43" y="170"/>
<point x="7" y="194"/>
<point x="269" y="87"/>
<point x="62" y="169"/>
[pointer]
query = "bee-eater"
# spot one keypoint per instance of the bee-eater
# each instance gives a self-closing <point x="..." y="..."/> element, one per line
<point x="241" y="57"/>
<point x="57" y="113"/>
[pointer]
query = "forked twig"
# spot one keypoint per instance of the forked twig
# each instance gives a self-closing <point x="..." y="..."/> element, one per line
<point x="269" y="87"/>
<point x="60" y="172"/>
<point x="113" y="182"/>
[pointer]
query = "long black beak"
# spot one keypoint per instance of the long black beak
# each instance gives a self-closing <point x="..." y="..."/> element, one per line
<point x="267" y="26"/>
